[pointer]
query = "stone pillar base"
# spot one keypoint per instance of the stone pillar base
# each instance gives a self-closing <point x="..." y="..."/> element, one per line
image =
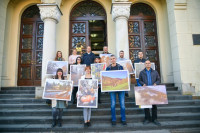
<point x="39" y="92"/>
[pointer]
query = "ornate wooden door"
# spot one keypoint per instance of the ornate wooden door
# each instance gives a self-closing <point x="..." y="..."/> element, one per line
<point x="143" y="33"/>
<point x="30" y="48"/>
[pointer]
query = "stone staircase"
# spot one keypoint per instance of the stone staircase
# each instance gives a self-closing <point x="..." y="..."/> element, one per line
<point x="21" y="112"/>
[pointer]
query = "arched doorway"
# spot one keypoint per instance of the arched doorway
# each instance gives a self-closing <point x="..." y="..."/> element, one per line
<point x="88" y="27"/>
<point x="30" y="48"/>
<point x="143" y="33"/>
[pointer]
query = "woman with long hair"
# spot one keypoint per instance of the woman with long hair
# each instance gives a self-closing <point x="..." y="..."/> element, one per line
<point x="59" y="56"/>
<point x="58" y="105"/>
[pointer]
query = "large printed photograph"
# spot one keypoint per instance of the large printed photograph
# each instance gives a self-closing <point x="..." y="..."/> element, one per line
<point x="127" y="65"/>
<point x="87" y="93"/>
<point x="105" y="58"/>
<point x="96" y="69"/>
<point x="115" y="81"/>
<point x="151" y="95"/>
<point x="141" y="66"/>
<point x="76" y="71"/>
<point x="52" y="67"/>
<point x="58" y="89"/>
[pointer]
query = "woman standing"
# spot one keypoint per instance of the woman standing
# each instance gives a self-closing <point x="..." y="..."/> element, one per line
<point x="73" y="57"/>
<point x="87" y="111"/>
<point x="59" y="56"/>
<point x="75" y="89"/>
<point x="58" y="105"/>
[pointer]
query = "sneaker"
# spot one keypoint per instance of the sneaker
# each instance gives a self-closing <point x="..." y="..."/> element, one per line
<point x="89" y="124"/>
<point x="156" y="122"/>
<point x="146" y="122"/>
<point x="113" y="123"/>
<point x="85" y="125"/>
<point x="124" y="123"/>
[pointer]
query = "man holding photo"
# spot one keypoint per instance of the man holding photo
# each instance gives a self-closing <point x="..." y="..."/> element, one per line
<point x="149" y="77"/>
<point x="121" y="95"/>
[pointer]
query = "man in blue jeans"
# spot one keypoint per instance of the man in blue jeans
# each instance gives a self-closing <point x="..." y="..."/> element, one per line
<point x="121" y="95"/>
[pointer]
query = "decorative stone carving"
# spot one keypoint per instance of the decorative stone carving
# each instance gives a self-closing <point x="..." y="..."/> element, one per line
<point x="121" y="10"/>
<point x="49" y="11"/>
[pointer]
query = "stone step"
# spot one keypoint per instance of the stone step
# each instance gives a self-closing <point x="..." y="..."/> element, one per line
<point x="17" y="92"/>
<point x="95" y="119"/>
<point x="98" y="112"/>
<point x="18" y="88"/>
<point x="13" y="96"/>
<point x="168" y="84"/>
<point x="43" y="105"/>
<point x="98" y="127"/>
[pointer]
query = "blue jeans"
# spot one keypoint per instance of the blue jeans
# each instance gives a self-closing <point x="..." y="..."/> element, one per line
<point x="138" y="83"/>
<point x="121" y="95"/>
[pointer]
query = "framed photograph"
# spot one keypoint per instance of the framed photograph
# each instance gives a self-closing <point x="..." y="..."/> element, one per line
<point x="127" y="65"/>
<point x="58" y="89"/>
<point x="96" y="69"/>
<point x="151" y="95"/>
<point x="115" y="81"/>
<point x="139" y="67"/>
<point x="53" y="66"/>
<point x="87" y="93"/>
<point x="105" y="58"/>
<point x="76" y="71"/>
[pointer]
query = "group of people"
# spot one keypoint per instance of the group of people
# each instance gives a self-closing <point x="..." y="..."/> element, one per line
<point x="147" y="77"/>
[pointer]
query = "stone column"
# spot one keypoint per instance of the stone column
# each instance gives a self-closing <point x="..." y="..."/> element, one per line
<point x="50" y="15"/>
<point x="120" y="14"/>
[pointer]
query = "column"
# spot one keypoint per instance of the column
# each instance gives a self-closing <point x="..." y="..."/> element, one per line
<point x="50" y="15"/>
<point x="120" y="15"/>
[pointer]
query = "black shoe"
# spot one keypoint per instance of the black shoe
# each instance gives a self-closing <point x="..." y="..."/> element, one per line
<point x="146" y="122"/>
<point x="113" y="123"/>
<point x="89" y="124"/>
<point x="126" y="94"/>
<point x="59" y="122"/>
<point x="124" y="123"/>
<point x="85" y="125"/>
<point x="99" y="101"/>
<point x="53" y="124"/>
<point x="156" y="122"/>
<point x="74" y="102"/>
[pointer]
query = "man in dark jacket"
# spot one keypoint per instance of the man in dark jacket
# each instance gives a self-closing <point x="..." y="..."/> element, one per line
<point x="88" y="57"/>
<point x="140" y="59"/>
<point x="149" y="77"/>
<point x="121" y="95"/>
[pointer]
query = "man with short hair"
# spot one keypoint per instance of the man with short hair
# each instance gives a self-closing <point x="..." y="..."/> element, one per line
<point x="105" y="50"/>
<point x="140" y="59"/>
<point x="149" y="77"/>
<point x="121" y="56"/>
<point x="121" y="95"/>
<point x="88" y="57"/>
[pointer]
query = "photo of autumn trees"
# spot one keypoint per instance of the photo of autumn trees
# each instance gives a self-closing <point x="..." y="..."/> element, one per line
<point x="53" y="66"/>
<point x="76" y="71"/>
<point x="105" y="58"/>
<point x="127" y="65"/>
<point x="96" y="69"/>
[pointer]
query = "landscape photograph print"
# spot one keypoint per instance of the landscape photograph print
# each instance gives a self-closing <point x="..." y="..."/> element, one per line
<point x="115" y="81"/>
<point x="96" y="69"/>
<point x="105" y="58"/>
<point x="76" y="71"/>
<point x="52" y="67"/>
<point x="127" y="65"/>
<point x="151" y="95"/>
<point x="58" y="89"/>
<point x="141" y="66"/>
<point x="87" y="93"/>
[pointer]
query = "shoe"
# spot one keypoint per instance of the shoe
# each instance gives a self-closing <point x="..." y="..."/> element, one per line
<point x="126" y="94"/>
<point x="59" y="122"/>
<point x="99" y="101"/>
<point x="124" y="123"/>
<point x="156" y="122"/>
<point x="113" y="123"/>
<point x="85" y="125"/>
<point x="74" y="102"/>
<point x="53" y="123"/>
<point x="89" y="124"/>
<point x="146" y="122"/>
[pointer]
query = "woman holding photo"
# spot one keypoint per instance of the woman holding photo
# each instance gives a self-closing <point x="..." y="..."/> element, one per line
<point x="98" y="60"/>
<point x="58" y="105"/>
<point x="75" y="89"/>
<point x="87" y="111"/>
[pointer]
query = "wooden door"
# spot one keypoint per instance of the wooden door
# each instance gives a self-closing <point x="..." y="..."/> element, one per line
<point x="30" y="48"/>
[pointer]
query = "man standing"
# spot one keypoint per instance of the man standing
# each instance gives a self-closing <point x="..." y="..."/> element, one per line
<point x="149" y="77"/>
<point x="140" y="59"/>
<point x="121" y="56"/>
<point x="105" y="50"/>
<point x="121" y="95"/>
<point x="88" y="58"/>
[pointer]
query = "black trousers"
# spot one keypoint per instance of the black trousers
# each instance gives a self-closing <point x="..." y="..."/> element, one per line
<point x="75" y="89"/>
<point x="99" y="93"/>
<point x="154" y="113"/>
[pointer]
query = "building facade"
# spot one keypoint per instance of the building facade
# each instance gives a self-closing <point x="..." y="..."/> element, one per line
<point x="167" y="31"/>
